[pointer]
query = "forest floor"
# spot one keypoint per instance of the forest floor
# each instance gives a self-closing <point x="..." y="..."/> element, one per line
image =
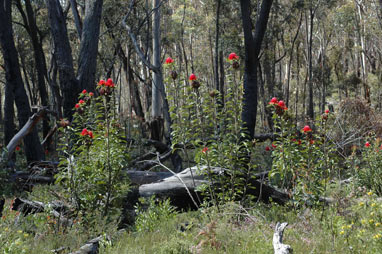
<point x="351" y="223"/>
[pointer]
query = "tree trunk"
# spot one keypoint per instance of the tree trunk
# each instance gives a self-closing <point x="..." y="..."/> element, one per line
<point x="157" y="85"/>
<point x="252" y="45"/>
<point x="77" y="19"/>
<point x="33" y="149"/>
<point x="39" y="60"/>
<point x="87" y="63"/>
<point x="217" y="46"/>
<point x="310" y="112"/>
<point x="63" y="56"/>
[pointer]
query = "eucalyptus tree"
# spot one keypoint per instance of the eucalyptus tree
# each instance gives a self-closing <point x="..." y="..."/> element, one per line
<point x="15" y="86"/>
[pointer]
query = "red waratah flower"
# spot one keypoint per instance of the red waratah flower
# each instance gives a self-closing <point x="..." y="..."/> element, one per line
<point x="169" y="60"/>
<point x="17" y="148"/>
<point x="274" y="146"/>
<point x="91" y="94"/>
<point x="205" y="149"/>
<point x="267" y="148"/>
<point x="77" y="105"/>
<point x="281" y="104"/>
<point x="84" y="91"/>
<point x="101" y="82"/>
<point x="192" y="77"/>
<point x="81" y="102"/>
<point x="84" y="132"/>
<point x="367" y="144"/>
<point x="90" y="134"/>
<point x="109" y="82"/>
<point x="274" y="101"/>
<point x="233" y="56"/>
<point x="306" y="129"/>
<point x="327" y="111"/>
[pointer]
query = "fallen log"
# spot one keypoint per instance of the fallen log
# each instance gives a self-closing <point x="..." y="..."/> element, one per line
<point x="27" y="179"/>
<point x="27" y="206"/>
<point x="278" y="245"/>
<point x="178" y="187"/>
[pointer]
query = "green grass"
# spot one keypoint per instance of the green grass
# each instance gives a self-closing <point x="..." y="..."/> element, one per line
<point x="239" y="232"/>
<point x="352" y="224"/>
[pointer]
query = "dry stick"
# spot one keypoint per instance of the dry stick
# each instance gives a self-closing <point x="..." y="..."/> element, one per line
<point x="180" y="179"/>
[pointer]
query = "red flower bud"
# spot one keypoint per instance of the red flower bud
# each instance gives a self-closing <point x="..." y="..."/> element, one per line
<point x="17" y="148"/>
<point x="77" y="105"/>
<point x="233" y="56"/>
<point x="101" y="82"/>
<point x="274" y="101"/>
<point x="205" y="149"/>
<point x="91" y="94"/>
<point x="281" y="104"/>
<point x="306" y="129"/>
<point x="109" y="82"/>
<point x="367" y="144"/>
<point x="169" y="60"/>
<point x="90" y="134"/>
<point x="84" y="91"/>
<point x="81" y="102"/>
<point x="267" y="148"/>
<point x="327" y="111"/>
<point x="84" y="132"/>
<point x="192" y="77"/>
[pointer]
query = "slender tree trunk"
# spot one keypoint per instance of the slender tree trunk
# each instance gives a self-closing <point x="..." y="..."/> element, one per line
<point x="63" y="56"/>
<point x="252" y="44"/>
<point x="87" y="63"/>
<point x="310" y="112"/>
<point x="33" y="148"/>
<point x="40" y="63"/>
<point x="156" y="106"/>
<point x="217" y="32"/>
<point x="77" y="19"/>
<point x="221" y="82"/>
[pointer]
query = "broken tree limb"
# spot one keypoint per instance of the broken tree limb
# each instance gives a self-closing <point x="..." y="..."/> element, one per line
<point x="48" y="137"/>
<point x="27" y="128"/>
<point x="278" y="245"/>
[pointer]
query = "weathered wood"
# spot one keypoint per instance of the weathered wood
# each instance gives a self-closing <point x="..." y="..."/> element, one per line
<point x="46" y="177"/>
<point x="278" y="245"/>
<point x="192" y="178"/>
<point x="91" y="247"/>
<point x="27" y="206"/>
<point x="27" y="128"/>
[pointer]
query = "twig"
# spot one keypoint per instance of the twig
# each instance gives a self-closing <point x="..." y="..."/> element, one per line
<point x="180" y="179"/>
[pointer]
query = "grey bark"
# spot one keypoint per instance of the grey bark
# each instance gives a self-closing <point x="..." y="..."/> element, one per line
<point x="157" y="86"/>
<point x="87" y="63"/>
<point x="77" y="19"/>
<point x="33" y="148"/>
<point x="252" y="44"/>
<point x="63" y="56"/>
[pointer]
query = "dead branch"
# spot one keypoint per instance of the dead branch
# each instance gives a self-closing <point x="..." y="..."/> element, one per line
<point x="278" y="245"/>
